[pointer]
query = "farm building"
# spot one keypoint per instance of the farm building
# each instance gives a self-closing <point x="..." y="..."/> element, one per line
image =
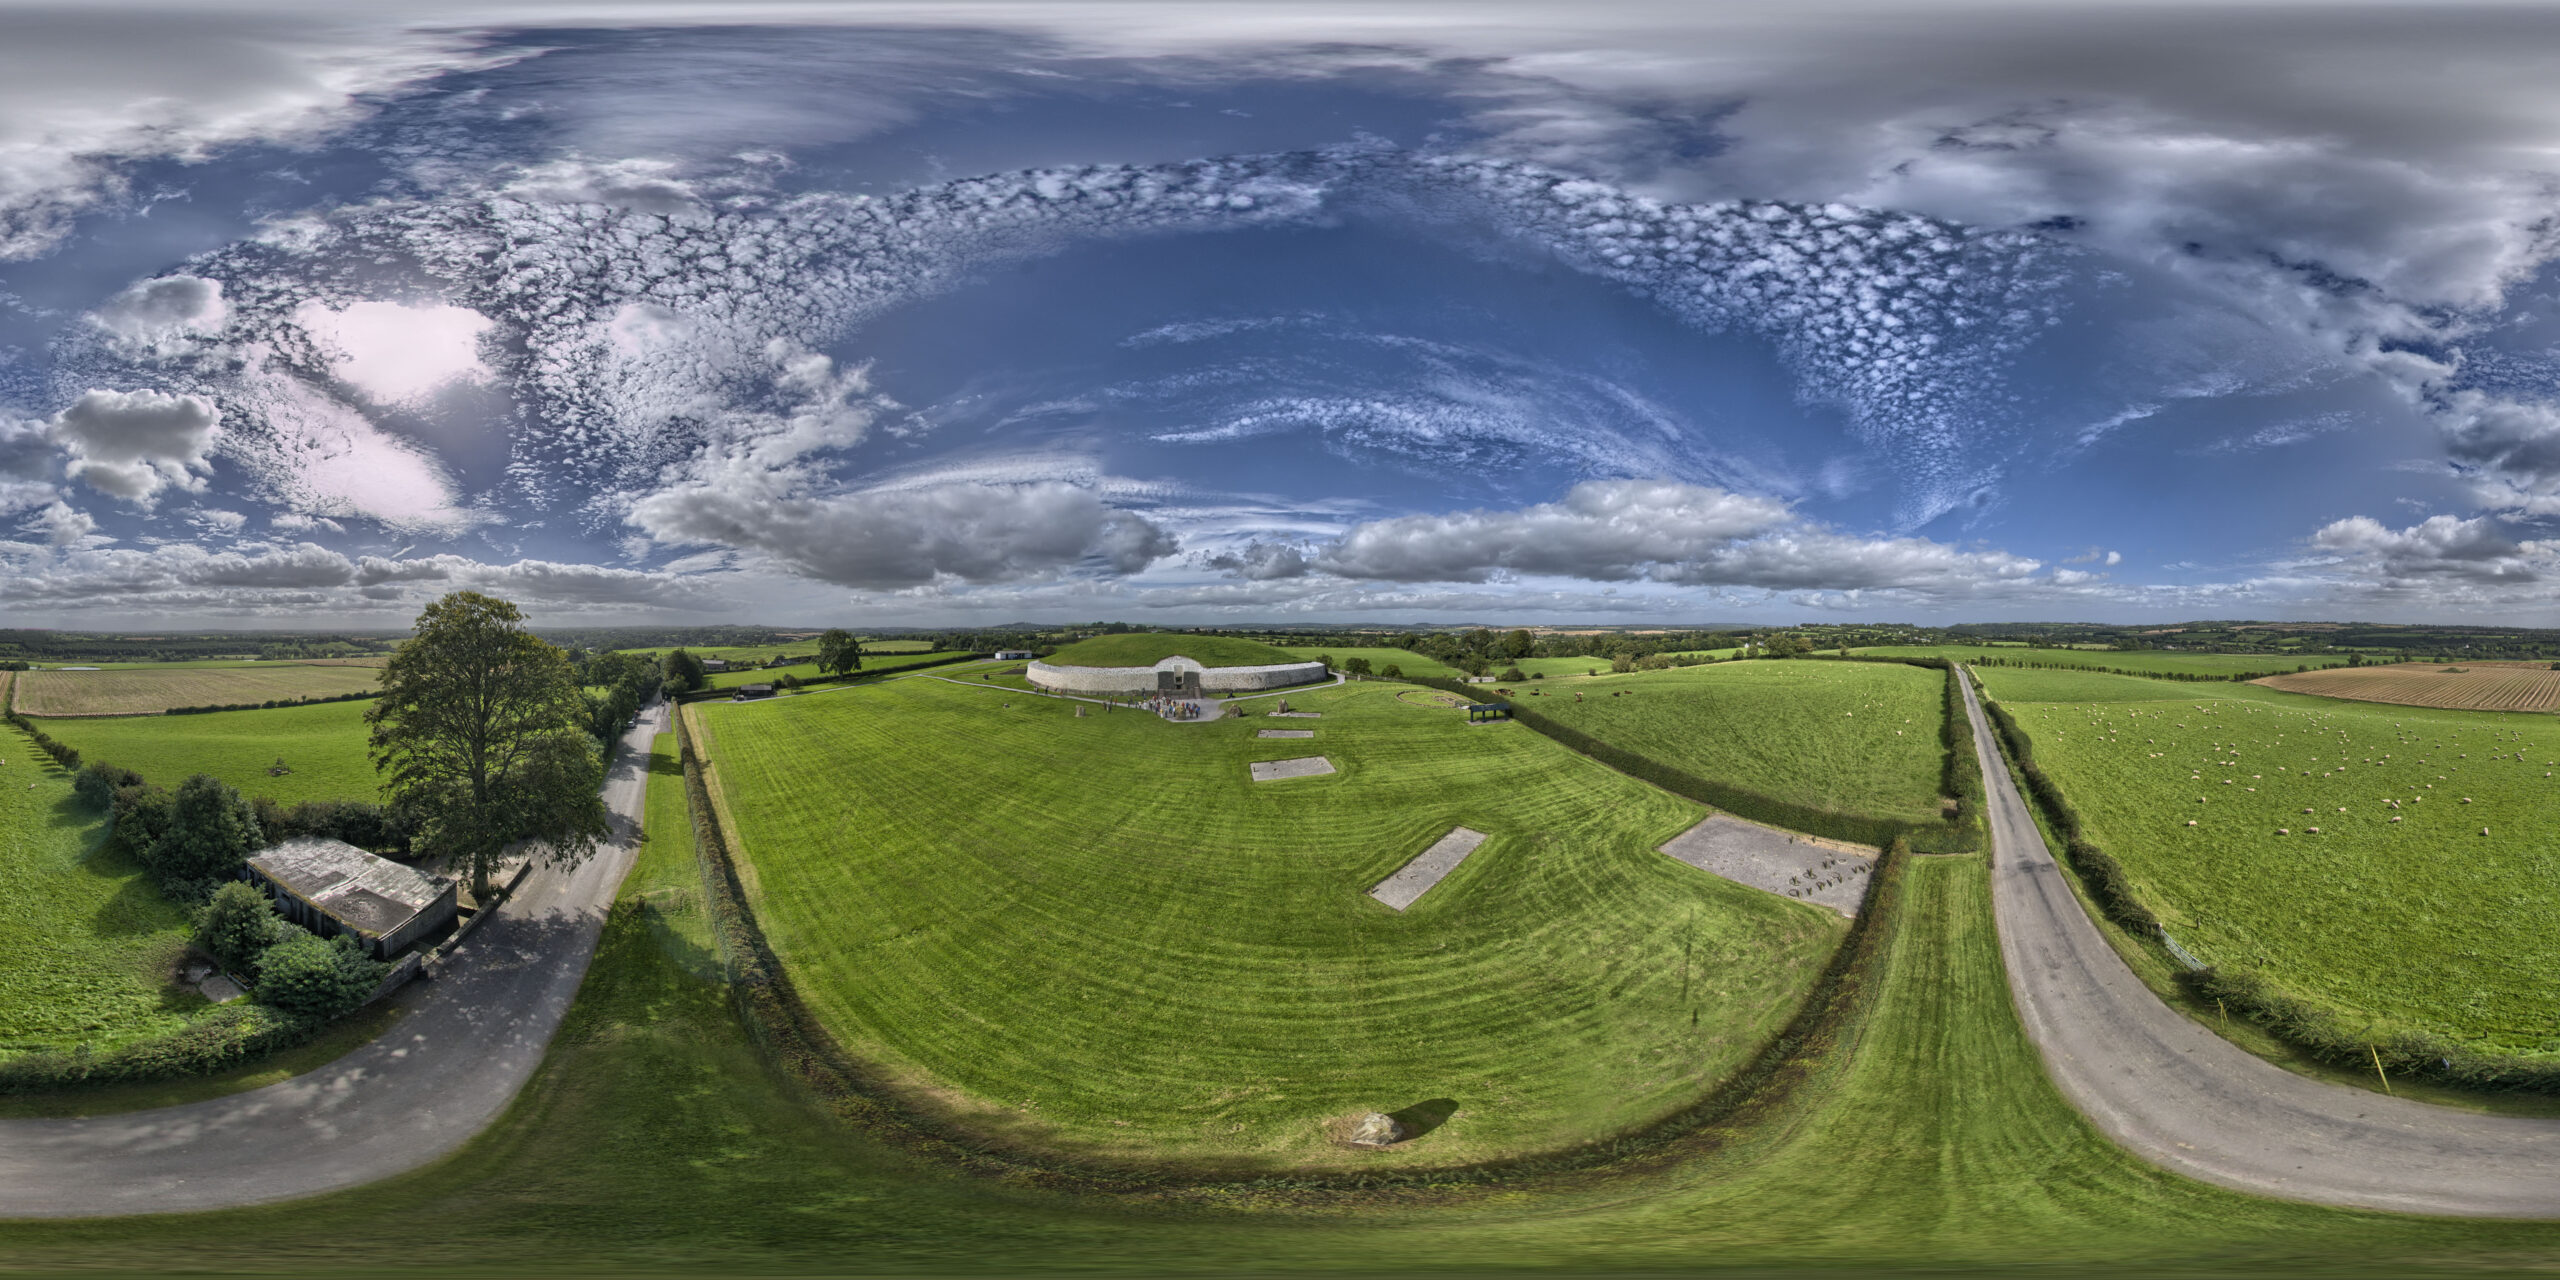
<point x="715" y="664"/>
<point x="1013" y="655"/>
<point x="755" y="691"/>
<point x="330" y="887"/>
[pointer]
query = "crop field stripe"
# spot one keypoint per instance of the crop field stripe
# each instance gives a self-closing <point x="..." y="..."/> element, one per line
<point x="2477" y="687"/>
<point x="147" y="691"/>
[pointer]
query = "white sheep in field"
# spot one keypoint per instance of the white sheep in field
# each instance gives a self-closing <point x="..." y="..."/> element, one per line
<point x="2282" y="831"/>
<point x="2484" y="831"/>
<point x="2312" y="830"/>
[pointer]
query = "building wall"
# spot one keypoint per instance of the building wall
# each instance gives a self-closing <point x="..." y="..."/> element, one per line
<point x="1142" y="680"/>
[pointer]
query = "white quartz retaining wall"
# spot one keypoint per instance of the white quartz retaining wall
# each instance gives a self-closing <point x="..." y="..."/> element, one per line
<point x="1143" y="679"/>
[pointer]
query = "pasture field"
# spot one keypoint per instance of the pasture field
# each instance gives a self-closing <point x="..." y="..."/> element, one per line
<point x="141" y="690"/>
<point x="87" y="943"/>
<point x="2468" y="686"/>
<point x="2420" y="923"/>
<point x="881" y="665"/>
<point x="1852" y="737"/>
<point x="653" y="1139"/>
<point x="1414" y="664"/>
<point x="1143" y="649"/>
<point x="324" y="745"/>
<point x="2144" y="660"/>
<point x="1096" y="935"/>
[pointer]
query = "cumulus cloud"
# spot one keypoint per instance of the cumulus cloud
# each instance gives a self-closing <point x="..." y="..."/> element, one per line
<point x="164" y="316"/>
<point x="60" y="525"/>
<point x="1659" y="531"/>
<point x="135" y="444"/>
<point x="306" y="576"/>
<point x="2439" y="547"/>
<point x="908" y="537"/>
<point x="1262" y="562"/>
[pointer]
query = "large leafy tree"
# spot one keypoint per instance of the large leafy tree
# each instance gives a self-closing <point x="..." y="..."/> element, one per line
<point x="210" y="831"/>
<point x="839" y="652"/>
<point x="482" y="729"/>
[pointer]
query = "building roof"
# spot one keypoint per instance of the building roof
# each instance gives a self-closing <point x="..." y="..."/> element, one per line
<point x="369" y="895"/>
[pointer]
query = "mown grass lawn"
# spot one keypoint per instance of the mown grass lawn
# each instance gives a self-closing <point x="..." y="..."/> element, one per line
<point x="1413" y="664"/>
<point x="86" y="941"/>
<point x="324" y="745"/>
<point x="653" y="1139"/>
<point x="1097" y="934"/>
<point x="1144" y="649"/>
<point x="1853" y="737"/>
<point x="2143" y="660"/>
<point x="2422" y="923"/>
<point x="872" y="664"/>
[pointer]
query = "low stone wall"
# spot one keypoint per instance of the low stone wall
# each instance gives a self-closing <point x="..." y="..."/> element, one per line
<point x="1111" y="680"/>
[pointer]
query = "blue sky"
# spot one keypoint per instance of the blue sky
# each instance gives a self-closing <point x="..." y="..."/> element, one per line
<point x="1203" y="312"/>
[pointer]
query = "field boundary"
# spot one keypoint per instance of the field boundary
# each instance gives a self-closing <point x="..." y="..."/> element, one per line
<point x="2322" y="1033"/>
<point x="1960" y="833"/>
<point x="783" y="1027"/>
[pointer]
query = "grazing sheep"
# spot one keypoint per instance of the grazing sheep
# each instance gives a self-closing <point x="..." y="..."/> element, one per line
<point x="2191" y="822"/>
<point x="2312" y="830"/>
<point x="2484" y="831"/>
<point x="2283" y="831"/>
<point x="2395" y="817"/>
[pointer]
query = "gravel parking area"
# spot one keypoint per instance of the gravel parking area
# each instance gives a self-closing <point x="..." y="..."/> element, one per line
<point x="1766" y="858"/>
<point x="1427" y="869"/>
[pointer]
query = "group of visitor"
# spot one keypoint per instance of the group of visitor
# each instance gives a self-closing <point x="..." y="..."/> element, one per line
<point x="1174" y="708"/>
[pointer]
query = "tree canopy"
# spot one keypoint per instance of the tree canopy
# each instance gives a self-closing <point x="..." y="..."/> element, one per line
<point x="483" y="731"/>
<point x="839" y="652"/>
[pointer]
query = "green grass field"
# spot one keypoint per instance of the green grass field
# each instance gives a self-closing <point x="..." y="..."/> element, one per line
<point x="1144" y="649"/>
<point x="324" y="745"/>
<point x="880" y="664"/>
<point x="653" y="1139"/>
<point x="1414" y="664"/>
<point x="1096" y="934"/>
<point x="1853" y="737"/>
<point x="87" y="943"/>
<point x="2147" y="660"/>
<point x="2422" y="923"/>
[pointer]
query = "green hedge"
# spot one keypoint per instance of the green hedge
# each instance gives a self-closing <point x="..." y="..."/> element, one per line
<point x="2105" y="876"/>
<point x="224" y="1039"/>
<point x="1960" y="834"/>
<point x="2326" y="1035"/>
<point x="63" y="753"/>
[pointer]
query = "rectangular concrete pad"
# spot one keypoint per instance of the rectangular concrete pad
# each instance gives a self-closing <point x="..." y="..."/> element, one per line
<point x="1299" y="715"/>
<point x="1286" y="733"/>
<point x="1427" y="869"/>
<point x="1302" y="767"/>
<point x="1765" y="858"/>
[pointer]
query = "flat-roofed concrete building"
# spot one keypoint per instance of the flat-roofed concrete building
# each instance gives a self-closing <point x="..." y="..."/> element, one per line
<point x="332" y="887"/>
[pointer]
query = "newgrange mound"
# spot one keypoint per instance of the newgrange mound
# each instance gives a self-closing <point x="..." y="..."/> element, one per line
<point x="1097" y="936"/>
<point x="1176" y="664"/>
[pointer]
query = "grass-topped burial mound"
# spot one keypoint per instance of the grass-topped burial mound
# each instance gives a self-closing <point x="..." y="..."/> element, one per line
<point x="1098" y="935"/>
<point x="1146" y="650"/>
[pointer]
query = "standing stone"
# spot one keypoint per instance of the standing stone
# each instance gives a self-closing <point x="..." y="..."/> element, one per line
<point x="1079" y="711"/>
<point x="1376" y="1130"/>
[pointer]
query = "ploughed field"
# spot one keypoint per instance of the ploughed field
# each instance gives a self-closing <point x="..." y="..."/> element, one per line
<point x="87" y="944"/>
<point x="323" y="745"/>
<point x="1097" y="935"/>
<point x="2470" y="686"/>
<point x="1851" y="737"/>
<point x="2421" y="923"/>
<point x="2142" y="660"/>
<point x="140" y="690"/>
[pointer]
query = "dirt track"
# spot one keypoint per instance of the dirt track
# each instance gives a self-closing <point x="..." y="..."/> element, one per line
<point x="2184" y="1098"/>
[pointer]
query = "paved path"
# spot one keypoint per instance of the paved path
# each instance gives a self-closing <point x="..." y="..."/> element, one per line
<point x="470" y="1039"/>
<point x="2184" y="1098"/>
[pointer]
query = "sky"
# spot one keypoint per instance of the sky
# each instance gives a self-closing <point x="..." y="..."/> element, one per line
<point x="1203" y="313"/>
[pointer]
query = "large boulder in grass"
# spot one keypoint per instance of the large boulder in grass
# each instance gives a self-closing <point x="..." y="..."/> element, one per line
<point x="1376" y="1130"/>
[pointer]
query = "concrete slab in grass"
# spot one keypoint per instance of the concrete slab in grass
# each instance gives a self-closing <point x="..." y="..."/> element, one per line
<point x="1302" y="767"/>
<point x="1766" y="858"/>
<point x="1299" y="715"/>
<point x="1427" y="868"/>
<point x="1286" y="733"/>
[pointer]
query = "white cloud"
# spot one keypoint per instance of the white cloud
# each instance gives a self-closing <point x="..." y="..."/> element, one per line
<point x="216" y="520"/>
<point x="60" y="525"/>
<point x="135" y="444"/>
<point x="297" y="522"/>
<point x="2439" y="548"/>
<point x="397" y="353"/>
<point x="164" y="316"/>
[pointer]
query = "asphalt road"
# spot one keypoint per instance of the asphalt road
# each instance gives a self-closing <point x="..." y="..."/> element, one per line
<point x="470" y="1039"/>
<point x="2184" y="1098"/>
